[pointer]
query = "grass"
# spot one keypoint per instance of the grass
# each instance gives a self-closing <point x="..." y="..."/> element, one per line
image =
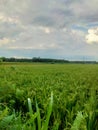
<point x="25" y="101"/>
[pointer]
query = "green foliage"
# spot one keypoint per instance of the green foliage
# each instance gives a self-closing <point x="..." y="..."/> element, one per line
<point x="77" y="122"/>
<point x="41" y="125"/>
<point x="3" y="113"/>
<point x="74" y="87"/>
<point x="6" y="121"/>
<point x="92" y="112"/>
<point x="49" y="111"/>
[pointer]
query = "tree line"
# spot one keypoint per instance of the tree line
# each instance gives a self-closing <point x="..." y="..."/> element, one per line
<point x="34" y="59"/>
<point x="43" y="60"/>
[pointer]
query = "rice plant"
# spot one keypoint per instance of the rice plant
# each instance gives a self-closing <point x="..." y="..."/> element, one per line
<point x="74" y="87"/>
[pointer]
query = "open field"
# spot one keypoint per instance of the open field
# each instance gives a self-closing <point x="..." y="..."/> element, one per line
<point x="75" y="96"/>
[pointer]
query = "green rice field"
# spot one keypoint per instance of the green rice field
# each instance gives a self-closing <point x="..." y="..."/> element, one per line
<point x="36" y="96"/>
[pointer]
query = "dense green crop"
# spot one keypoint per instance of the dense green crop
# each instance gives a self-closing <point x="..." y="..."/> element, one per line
<point x="75" y="96"/>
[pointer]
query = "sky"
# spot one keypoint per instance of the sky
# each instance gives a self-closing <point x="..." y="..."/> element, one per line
<point x="63" y="29"/>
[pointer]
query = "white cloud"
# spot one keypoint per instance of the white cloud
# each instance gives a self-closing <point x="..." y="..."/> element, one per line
<point x="92" y="36"/>
<point x="5" y="41"/>
<point x="5" y="18"/>
<point x="46" y="30"/>
<point x="42" y="46"/>
<point x="64" y="29"/>
<point x="20" y="57"/>
<point x="36" y="47"/>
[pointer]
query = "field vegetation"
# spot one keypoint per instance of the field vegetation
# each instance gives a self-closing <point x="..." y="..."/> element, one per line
<point x="48" y="96"/>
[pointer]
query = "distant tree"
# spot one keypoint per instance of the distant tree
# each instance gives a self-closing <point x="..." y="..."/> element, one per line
<point x="1" y="60"/>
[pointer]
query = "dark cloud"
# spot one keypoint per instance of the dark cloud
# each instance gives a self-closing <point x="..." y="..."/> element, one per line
<point x="44" y="21"/>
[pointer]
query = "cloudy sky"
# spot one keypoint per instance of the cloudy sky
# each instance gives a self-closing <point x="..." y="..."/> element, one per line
<point x="65" y="29"/>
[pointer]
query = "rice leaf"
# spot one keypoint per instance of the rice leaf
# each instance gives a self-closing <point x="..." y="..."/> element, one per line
<point x="30" y="106"/>
<point x="38" y="117"/>
<point x="6" y="121"/>
<point x="32" y="116"/>
<point x="77" y="121"/>
<point x="49" y="111"/>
